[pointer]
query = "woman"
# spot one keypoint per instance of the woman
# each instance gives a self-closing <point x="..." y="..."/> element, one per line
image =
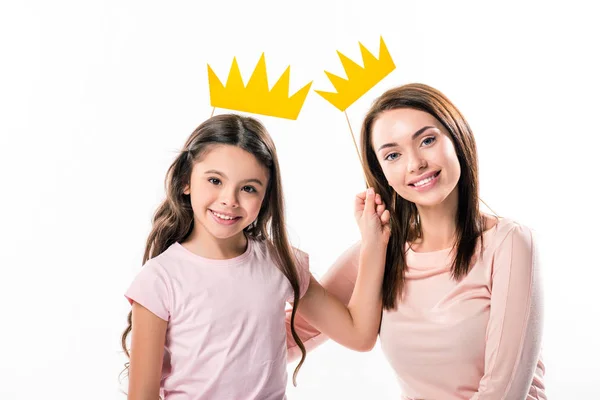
<point x="462" y="306"/>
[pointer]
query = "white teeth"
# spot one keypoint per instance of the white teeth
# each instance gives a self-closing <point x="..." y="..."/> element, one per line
<point x="424" y="181"/>
<point x="222" y="216"/>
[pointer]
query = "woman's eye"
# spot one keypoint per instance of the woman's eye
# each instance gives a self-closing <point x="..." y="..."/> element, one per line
<point x="249" y="189"/>
<point x="214" y="181"/>
<point x="428" y="141"/>
<point x="392" y="156"/>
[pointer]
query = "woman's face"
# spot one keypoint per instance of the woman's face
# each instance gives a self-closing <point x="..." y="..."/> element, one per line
<point x="416" y="155"/>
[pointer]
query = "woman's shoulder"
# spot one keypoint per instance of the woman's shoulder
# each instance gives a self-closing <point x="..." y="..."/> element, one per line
<point x="504" y="231"/>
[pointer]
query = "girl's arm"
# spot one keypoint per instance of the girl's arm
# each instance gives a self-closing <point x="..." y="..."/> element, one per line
<point x="147" y="349"/>
<point x="514" y="330"/>
<point x="356" y="325"/>
<point x="339" y="281"/>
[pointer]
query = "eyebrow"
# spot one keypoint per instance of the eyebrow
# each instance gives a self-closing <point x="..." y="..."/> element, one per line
<point x="414" y="136"/>
<point x="215" y="172"/>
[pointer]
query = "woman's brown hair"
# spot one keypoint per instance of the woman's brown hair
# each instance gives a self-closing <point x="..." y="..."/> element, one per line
<point x="404" y="223"/>
<point x="174" y="219"/>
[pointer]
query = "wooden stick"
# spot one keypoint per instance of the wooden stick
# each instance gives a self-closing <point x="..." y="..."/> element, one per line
<point x="352" y="134"/>
<point x="489" y="208"/>
<point x="356" y="147"/>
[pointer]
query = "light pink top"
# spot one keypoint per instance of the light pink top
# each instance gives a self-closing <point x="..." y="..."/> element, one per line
<point x="477" y="339"/>
<point x="226" y="336"/>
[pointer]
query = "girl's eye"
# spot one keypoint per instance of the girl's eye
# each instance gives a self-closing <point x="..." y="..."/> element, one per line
<point x="392" y="156"/>
<point x="249" y="189"/>
<point x="214" y="181"/>
<point x="428" y="141"/>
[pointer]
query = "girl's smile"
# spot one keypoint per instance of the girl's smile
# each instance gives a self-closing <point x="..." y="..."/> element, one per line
<point x="224" y="218"/>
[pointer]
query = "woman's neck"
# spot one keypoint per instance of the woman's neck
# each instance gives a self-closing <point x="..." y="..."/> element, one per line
<point x="438" y="225"/>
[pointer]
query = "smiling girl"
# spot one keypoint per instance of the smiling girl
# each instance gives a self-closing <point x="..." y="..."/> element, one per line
<point x="208" y="308"/>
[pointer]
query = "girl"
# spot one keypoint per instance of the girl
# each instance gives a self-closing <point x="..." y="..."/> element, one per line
<point x="461" y="293"/>
<point x="208" y="308"/>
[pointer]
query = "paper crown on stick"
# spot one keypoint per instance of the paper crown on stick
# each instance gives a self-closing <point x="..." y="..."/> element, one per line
<point x="360" y="79"/>
<point x="256" y="97"/>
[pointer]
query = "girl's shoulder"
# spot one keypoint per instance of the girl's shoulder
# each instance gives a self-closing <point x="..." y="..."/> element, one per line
<point x="300" y="261"/>
<point x="159" y="261"/>
<point x="265" y="248"/>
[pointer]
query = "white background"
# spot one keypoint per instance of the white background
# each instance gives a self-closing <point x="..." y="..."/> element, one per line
<point x="96" y="97"/>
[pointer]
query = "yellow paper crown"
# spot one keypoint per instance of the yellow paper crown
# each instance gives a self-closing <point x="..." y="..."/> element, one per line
<point x="360" y="79"/>
<point x="256" y="97"/>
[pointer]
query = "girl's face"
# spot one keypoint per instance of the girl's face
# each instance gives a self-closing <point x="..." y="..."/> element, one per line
<point x="416" y="155"/>
<point x="226" y="190"/>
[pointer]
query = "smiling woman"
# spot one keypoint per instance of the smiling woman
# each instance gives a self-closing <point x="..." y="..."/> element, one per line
<point x="413" y="162"/>
<point x="461" y="293"/>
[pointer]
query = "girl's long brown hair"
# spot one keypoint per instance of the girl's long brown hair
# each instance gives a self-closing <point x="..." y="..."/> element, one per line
<point x="404" y="223"/>
<point x="174" y="219"/>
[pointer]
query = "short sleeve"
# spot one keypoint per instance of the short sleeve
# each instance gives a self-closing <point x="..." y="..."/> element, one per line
<point x="151" y="288"/>
<point x="339" y="281"/>
<point x="302" y="264"/>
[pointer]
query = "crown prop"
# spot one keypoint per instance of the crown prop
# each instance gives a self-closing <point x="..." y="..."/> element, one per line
<point x="360" y="79"/>
<point x="256" y="97"/>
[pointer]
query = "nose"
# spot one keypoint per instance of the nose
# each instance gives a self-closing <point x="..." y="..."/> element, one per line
<point x="229" y="198"/>
<point x="416" y="163"/>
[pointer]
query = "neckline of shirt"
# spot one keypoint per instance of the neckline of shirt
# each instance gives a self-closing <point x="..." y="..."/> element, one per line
<point x="212" y="262"/>
<point x="443" y="258"/>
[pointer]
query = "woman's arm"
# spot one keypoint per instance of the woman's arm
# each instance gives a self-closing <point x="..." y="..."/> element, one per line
<point x="516" y="319"/>
<point x="147" y="349"/>
<point x="355" y="325"/>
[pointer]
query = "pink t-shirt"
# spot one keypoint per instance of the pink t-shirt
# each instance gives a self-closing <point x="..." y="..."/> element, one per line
<point x="226" y="336"/>
<point x="478" y="338"/>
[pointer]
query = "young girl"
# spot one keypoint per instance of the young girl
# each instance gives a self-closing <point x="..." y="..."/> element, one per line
<point x="208" y="308"/>
<point x="461" y="291"/>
